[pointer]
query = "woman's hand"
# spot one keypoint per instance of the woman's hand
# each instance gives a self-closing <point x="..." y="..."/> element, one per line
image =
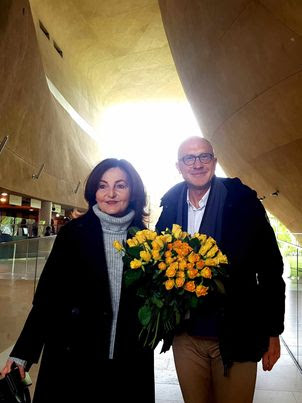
<point x="270" y="358"/>
<point x="8" y="368"/>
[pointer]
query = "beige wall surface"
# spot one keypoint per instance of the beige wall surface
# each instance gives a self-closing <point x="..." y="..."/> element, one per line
<point x="240" y="63"/>
<point x="114" y="52"/>
<point x="40" y="131"/>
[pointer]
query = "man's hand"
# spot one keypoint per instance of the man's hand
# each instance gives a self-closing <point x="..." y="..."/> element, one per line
<point x="8" y="368"/>
<point x="271" y="356"/>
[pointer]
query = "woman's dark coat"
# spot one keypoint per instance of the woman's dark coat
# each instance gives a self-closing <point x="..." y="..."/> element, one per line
<point x="71" y="318"/>
<point x="254" y="308"/>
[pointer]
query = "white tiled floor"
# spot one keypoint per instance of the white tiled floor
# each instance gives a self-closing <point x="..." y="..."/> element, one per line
<point x="282" y="385"/>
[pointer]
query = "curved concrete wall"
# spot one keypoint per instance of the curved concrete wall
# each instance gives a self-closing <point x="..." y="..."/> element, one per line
<point x="240" y="64"/>
<point x="39" y="129"/>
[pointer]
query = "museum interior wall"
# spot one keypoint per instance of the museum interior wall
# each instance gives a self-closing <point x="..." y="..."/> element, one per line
<point x="240" y="65"/>
<point x="39" y="130"/>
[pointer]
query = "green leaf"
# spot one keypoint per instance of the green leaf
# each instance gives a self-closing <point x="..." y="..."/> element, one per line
<point x="134" y="251"/>
<point x="144" y="315"/>
<point x="220" y="286"/>
<point x="142" y="292"/>
<point x="194" y="302"/>
<point x="158" y="302"/>
<point x="177" y="316"/>
<point x="131" y="276"/>
<point x="195" y="244"/>
<point x="133" y="230"/>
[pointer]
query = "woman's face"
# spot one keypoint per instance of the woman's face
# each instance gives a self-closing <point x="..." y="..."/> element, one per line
<point x="113" y="194"/>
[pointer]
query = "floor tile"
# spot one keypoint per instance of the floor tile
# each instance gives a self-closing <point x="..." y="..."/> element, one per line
<point x="265" y="396"/>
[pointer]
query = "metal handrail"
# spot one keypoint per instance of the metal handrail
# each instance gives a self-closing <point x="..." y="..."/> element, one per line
<point x="290" y="243"/>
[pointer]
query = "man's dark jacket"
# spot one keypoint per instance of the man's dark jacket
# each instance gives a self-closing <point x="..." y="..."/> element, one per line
<point x="253" y="309"/>
<point x="71" y="320"/>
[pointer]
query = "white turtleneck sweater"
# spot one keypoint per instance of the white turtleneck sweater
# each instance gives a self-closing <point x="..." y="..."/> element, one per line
<point x="114" y="229"/>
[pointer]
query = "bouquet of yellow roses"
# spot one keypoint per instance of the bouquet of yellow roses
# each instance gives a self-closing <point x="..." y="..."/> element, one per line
<point x="173" y="272"/>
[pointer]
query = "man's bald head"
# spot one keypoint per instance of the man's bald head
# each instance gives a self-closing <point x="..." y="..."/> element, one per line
<point x="194" y="142"/>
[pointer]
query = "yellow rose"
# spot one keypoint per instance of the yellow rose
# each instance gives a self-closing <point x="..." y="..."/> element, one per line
<point x="207" y="245"/>
<point x="179" y="282"/>
<point x="118" y="246"/>
<point x="202" y="237"/>
<point x="132" y="242"/>
<point x="212" y="252"/>
<point x="176" y="231"/>
<point x="201" y="290"/>
<point x="135" y="264"/>
<point x="162" y="266"/>
<point x="170" y="272"/>
<point x="157" y="243"/>
<point x="222" y="258"/>
<point x="184" y="235"/>
<point x="181" y="274"/>
<point x="169" y="284"/>
<point x="166" y="238"/>
<point x="182" y="265"/>
<point x="190" y="286"/>
<point x="193" y="257"/>
<point x="150" y="235"/>
<point x="168" y="253"/>
<point x="140" y="237"/>
<point x="206" y="272"/>
<point x="192" y="273"/>
<point x="156" y="254"/>
<point x="146" y="256"/>
<point x="212" y="261"/>
<point x="170" y="260"/>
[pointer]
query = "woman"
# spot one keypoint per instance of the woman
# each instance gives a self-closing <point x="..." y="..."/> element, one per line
<point x="83" y="319"/>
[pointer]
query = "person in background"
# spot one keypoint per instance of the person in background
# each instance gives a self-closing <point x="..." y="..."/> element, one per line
<point x="52" y="227"/>
<point x="217" y="348"/>
<point x="34" y="229"/>
<point x="48" y="231"/>
<point x="82" y="317"/>
<point x="23" y="231"/>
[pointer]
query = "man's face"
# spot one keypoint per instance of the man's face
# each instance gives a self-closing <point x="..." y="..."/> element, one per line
<point x="198" y="175"/>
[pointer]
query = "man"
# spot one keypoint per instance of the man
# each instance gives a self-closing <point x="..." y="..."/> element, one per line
<point x="216" y="352"/>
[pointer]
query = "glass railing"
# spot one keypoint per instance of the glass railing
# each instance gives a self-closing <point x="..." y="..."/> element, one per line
<point x="292" y="336"/>
<point x="24" y="259"/>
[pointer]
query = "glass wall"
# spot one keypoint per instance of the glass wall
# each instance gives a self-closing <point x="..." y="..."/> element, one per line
<point x="292" y="336"/>
<point x="24" y="259"/>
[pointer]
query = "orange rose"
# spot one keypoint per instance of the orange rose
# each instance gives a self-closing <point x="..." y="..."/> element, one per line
<point x="162" y="266"/>
<point x="201" y="291"/>
<point x="206" y="272"/>
<point x="170" y="272"/>
<point x="200" y="264"/>
<point x="190" y="286"/>
<point x="169" y="284"/>
<point x="179" y="282"/>
<point x="192" y="273"/>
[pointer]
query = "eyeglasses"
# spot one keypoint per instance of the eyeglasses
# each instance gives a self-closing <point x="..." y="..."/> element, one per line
<point x="204" y="158"/>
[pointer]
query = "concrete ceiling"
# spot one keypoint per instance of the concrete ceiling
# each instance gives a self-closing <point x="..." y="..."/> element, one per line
<point x="113" y="51"/>
<point x="239" y="62"/>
